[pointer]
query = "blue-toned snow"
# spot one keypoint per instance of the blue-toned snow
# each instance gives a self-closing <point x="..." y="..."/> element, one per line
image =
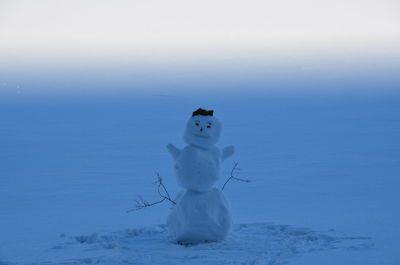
<point x="325" y="171"/>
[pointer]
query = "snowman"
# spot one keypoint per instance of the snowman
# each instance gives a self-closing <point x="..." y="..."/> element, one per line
<point x="201" y="212"/>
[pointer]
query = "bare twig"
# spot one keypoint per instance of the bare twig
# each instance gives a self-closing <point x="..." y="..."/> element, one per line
<point x="140" y="203"/>
<point x="235" y="168"/>
<point x="161" y="185"/>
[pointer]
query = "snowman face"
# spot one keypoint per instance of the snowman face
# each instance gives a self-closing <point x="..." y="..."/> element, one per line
<point x="202" y="131"/>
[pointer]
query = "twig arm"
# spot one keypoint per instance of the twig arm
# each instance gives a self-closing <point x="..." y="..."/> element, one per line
<point x="140" y="203"/>
<point x="234" y="168"/>
<point x="161" y="185"/>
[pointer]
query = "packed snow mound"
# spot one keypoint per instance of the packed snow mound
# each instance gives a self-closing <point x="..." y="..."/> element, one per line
<point x="199" y="217"/>
<point x="198" y="169"/>
<point x="260" y="243"/>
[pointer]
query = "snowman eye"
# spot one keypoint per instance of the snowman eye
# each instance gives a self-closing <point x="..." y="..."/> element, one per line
<point x="197" y="124"/>
<point x="208" y="126"/>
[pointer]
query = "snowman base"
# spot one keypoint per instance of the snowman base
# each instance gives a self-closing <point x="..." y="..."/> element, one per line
<point x="199" y="217"/>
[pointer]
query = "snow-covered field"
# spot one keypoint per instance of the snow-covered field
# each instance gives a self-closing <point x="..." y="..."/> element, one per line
<point x="325" y="171"/>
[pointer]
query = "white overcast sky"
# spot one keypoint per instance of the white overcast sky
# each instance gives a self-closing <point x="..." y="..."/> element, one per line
<point x="185" y="27"/>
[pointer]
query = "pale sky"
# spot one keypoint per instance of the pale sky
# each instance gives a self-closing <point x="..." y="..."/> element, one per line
<point x="183" y="27"/>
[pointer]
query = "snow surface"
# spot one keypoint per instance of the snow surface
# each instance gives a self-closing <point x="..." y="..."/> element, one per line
<point x="324" y="168"/>
<point x="260" y="243"/>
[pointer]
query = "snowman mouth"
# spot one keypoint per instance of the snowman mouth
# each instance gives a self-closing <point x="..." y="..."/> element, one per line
<point x="201" y="136"/>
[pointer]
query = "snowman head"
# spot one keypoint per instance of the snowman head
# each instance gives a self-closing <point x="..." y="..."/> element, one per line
<point x="202" y="129"/>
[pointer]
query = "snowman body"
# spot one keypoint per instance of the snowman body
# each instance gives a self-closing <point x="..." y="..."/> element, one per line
<point x="199" y="217"/>
<point x="198" y="169"/>
<point x="201" y="212"/>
